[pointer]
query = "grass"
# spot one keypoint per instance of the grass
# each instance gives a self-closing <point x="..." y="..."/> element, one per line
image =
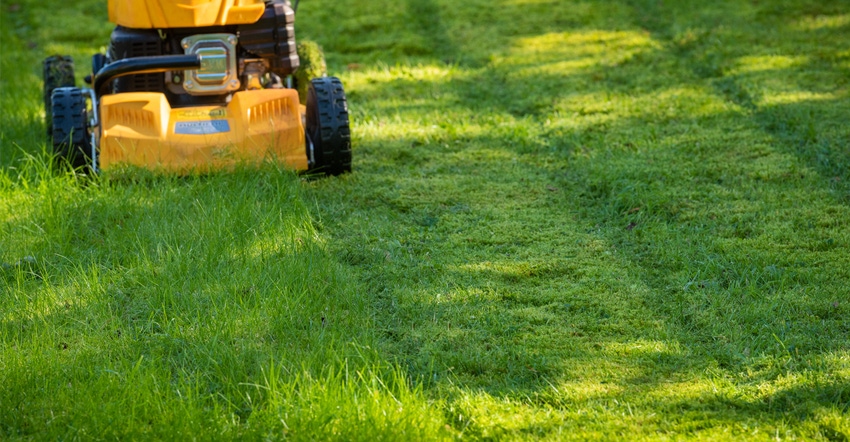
<point x="567" y="220"/>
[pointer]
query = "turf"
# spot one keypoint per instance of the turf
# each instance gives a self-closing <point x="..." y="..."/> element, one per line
<point x="567" y="220"/>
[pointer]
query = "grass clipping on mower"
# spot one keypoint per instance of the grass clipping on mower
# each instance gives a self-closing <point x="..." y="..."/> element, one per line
<point x="312" y="66"/>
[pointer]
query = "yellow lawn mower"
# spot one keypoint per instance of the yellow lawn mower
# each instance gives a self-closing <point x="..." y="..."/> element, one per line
<point x="198" y="85"/>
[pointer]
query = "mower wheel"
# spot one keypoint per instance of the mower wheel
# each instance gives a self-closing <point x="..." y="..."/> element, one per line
<point x="58" y="72"/>
<point x="71" y="142"/>
<point x="328" y="127"/>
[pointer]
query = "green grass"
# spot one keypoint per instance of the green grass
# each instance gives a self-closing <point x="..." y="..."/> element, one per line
<point x="567" y="220"/>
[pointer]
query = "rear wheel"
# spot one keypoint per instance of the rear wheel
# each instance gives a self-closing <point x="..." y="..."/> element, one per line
<point x="71" y="142"/>
<point x="58" y="72"/>
<point x="328" y="127"/>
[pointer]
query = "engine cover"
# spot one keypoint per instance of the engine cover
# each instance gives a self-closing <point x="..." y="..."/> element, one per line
<point x="218" y="73"/>
<point x="166" y="14"/>
<point x="129" y="43"/>
<point x="272" y="37"/>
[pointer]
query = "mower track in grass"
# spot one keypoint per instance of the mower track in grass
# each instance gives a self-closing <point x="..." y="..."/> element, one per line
<point x="567" y="220"/>
<point x="613" y="215"/>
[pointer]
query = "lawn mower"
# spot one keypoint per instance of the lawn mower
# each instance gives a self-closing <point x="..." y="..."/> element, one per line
<point x="198" y="85"/>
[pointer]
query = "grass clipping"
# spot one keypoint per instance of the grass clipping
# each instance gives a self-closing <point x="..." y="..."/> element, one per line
<point x="312" y="66"/>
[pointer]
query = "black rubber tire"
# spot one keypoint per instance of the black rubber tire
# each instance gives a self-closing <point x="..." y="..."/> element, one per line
<point x="71" y="142"/>
<point x="328" y="127"/>
<point x="58" y="72"/>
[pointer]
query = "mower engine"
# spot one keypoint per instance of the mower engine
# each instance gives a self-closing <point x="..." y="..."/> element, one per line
<point x="233" y="57"/>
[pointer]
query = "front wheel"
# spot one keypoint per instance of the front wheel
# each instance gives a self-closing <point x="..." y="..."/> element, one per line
<point x="328" y="131"/>
<point x="71" y="142"/>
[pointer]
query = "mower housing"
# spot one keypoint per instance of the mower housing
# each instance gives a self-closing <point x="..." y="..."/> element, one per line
<point x="199" y="85"/>
<point x="166" y="14"/>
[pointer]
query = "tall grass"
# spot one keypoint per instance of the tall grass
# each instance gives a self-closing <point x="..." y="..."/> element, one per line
<point x="188" y="307"/>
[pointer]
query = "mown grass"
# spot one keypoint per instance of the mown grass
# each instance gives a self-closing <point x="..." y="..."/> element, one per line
<point x="567" y="220"/>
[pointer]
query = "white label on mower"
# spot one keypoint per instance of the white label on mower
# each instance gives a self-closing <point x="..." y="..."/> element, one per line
<point x="201" y="127"/>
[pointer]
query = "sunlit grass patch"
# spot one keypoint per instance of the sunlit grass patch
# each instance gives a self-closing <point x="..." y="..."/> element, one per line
<point x="818" y="22"/>
<point x="767" y="63"/>
<point x="567" y="52"/>
<point x="791" y="97"/>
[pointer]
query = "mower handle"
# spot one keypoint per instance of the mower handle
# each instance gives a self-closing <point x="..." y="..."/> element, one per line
<point x="143" y="65"/>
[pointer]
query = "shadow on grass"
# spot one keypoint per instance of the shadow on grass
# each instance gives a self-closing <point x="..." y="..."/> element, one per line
<point x="636" y="248"/>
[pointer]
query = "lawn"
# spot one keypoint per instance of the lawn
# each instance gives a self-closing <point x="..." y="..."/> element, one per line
<point x="598" y="219"/>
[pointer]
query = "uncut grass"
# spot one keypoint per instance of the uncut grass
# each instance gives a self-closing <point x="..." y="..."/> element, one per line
<point x="136" y="305"/>
<point x="572" y="220"/>
<point x="197" y="307"/>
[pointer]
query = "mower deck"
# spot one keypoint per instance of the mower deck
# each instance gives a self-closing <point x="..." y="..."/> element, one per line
<point x="141" y="128"/>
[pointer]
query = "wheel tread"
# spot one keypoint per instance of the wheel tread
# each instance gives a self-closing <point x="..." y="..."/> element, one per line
<point x="69" y="132"/>
<point x="332" y="130"/>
